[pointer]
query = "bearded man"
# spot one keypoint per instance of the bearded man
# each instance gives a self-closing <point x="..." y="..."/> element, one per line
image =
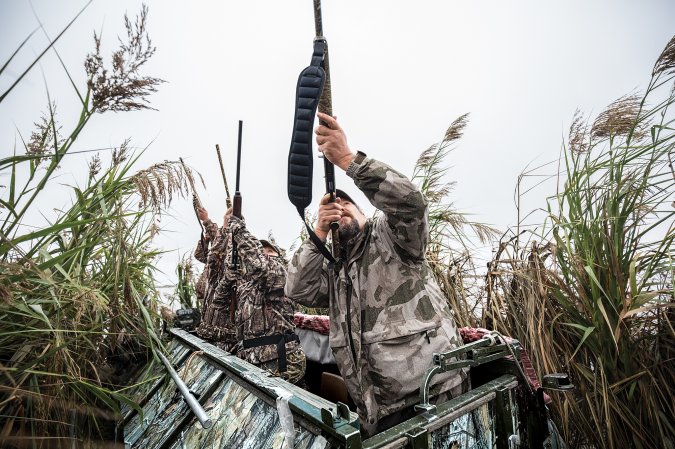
<point x="387" y="313"/>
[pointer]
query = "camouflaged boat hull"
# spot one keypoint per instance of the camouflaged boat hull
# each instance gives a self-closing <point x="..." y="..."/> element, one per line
<point x="241" y="401"/>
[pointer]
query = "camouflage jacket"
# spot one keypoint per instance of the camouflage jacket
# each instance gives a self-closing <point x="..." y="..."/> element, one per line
<point x="262" y="309"/>
<point x="387" y="313"/>
<point x="210" y="235"/>
<point x="216" y="325"/>
<point x="201" y="254"/>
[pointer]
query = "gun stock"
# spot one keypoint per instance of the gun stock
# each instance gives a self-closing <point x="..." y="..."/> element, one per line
<point x="236" y="205"/>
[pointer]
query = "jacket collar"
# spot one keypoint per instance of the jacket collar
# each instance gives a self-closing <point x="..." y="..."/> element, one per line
<point x="359" y="245"/>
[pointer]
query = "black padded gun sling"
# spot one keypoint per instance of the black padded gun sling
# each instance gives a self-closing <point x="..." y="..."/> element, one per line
<point x="300" y="158"/>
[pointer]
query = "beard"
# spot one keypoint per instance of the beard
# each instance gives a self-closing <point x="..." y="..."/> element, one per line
<point x="348" y="231"/>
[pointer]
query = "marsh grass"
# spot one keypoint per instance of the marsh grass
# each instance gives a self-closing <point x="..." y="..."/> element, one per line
<point x="449" y="250"/>
<point x="77" y="295"/>
<point x="591" y="292"/>
<point x="185" y="294"/>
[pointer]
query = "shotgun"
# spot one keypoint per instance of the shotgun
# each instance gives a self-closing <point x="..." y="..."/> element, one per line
<point x="236" y="211"/>
<point x="228" y="201"/>
<point x="196" y="202"/>
<point x="326" y="106"/>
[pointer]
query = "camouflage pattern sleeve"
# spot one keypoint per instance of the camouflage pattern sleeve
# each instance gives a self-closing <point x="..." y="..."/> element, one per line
<point x="219" y="261"/>
<point x="403" y="205"/>
<point x="249" y="251"/>
<point x="307" y="280"/>
<point x="225" y="286"/>
<point x="201" y="252"/>
<point x="210" y="233"/>
<point x="210" y="230"/>
<point x="217" y="257"/>
<point x="200" y="286"/>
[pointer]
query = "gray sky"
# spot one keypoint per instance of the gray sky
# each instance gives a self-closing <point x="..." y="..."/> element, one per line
<point x="401" y="73"/>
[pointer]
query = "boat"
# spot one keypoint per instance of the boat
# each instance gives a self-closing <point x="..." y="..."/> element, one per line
<point x="245" y="407"/>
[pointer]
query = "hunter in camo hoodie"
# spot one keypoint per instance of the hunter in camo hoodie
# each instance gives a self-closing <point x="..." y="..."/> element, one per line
<point x="387" y="313"/>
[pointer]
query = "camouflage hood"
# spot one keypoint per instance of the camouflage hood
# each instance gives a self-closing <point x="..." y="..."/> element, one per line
<point x="387" y="313"/>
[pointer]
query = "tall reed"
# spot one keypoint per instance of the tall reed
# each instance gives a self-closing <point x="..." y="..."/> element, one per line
<point x="593" y="294"/>
<point x="77" y="294"/>
<point x="450" y="252"/>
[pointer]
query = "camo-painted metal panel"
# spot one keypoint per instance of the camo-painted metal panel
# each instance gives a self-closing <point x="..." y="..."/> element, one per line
<point x="307" y="408"/>
<point x="475" y="430"/>
<point x="466" y="422"/>
<point x="309" y="441"/>
<point x="152" y="376"/>
<point x="242" y="420"/>
<point x="166" y="412"/>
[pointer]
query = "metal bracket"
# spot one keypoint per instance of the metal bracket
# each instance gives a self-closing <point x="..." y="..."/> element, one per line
<point x="476" y="353"/>
<point x="557" y="381"/>
<point x="343" y="411"/>
<point x="426" y="408"/>
<point x="328" y="418"/>
<point x="335" y="419"/>
<point x="424" y="404"/>
<point x="418" y="438"/>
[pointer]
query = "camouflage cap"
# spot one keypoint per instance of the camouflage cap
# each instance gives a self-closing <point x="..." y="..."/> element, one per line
<point x="342" y="194"/>
<point x="267" y="243"/>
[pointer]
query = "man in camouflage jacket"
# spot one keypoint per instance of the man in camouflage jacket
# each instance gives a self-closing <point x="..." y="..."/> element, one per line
<point x="215" y="325"/>
<point x="264" y="316"/>
<point x="387" y="313"/>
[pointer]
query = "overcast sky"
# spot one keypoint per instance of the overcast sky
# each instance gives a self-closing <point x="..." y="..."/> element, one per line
<point x="401" y="73"/>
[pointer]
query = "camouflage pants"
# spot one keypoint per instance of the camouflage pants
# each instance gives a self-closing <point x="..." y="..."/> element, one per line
<point x="295" y="366"/>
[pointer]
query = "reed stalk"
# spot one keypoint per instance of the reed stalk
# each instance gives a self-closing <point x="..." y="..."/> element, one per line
<point x="592" y="292"/>
<point x="77" y="295"/>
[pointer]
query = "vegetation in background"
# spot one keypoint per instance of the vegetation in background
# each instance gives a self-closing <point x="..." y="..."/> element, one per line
<point x="589" y="293"/>
<point x="454" y="269"/>
<point x="77" y="296"/>
<point x="185" y="293"/>
<point x="592" y="293"/>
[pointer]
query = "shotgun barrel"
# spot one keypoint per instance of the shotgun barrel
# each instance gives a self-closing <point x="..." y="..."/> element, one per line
<point x="236" y="211"/>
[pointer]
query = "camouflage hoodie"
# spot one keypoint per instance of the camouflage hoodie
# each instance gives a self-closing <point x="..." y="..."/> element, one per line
<point x="215" y="325"/>
<point x="387" y="313"/>
<point x="262" y="308"/>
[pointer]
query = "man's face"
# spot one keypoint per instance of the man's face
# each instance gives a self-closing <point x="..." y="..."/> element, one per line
<point x="352" y="222"/>
<point x="269" y="251"/>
